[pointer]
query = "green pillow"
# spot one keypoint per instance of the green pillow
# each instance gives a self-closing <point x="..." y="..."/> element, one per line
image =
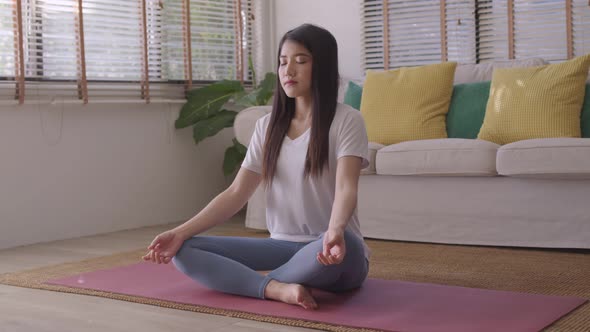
<point x="353" y="95"/>
<point x="586" y="113"/>
<point x="467" y="109"/>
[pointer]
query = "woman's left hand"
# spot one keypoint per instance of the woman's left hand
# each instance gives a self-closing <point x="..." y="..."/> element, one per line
<point x="334" y="248"/>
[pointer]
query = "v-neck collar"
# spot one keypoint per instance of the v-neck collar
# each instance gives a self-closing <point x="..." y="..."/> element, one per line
<point x="298" y="138"/>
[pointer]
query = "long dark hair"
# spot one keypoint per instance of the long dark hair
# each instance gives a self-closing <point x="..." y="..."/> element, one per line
<point x="324" y="90"/>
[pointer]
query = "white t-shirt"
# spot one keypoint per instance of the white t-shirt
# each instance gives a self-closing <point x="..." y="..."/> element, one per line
<point x="299" y="209"/>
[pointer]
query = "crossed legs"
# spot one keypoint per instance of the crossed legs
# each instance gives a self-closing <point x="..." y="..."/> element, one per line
<point x="230" y="265"/>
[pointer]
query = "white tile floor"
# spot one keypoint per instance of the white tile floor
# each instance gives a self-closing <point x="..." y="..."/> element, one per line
<point x="30" y="310"/>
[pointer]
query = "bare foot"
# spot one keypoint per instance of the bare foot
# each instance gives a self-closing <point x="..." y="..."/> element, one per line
<point x="290" y="293"/>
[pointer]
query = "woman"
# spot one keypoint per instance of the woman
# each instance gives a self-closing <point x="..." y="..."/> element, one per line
<point x="308" y="153"/>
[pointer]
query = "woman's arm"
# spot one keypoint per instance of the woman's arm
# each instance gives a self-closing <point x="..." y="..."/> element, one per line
<point x="348" y="171"/>
<point x="224" y="206"/>
<point x="166" y="245"/>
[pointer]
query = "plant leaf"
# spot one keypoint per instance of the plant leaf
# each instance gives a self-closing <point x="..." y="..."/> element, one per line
<point x="251" y="67"/>
<point x="231" y="160"/>
<point x="234" y="155"/>
<point x="213" y="125"/>
<point x="269" y="81"/>
<point x="266" y="89"/>
<point x="259" y="95"/>
<point x="246" y="99"/>
<point x="241" y="148"/>
<point x="204" y="102"/>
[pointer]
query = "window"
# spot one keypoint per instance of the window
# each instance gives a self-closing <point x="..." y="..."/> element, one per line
<point x="492" y="23"/>
<point x="213" y="33"/>
<point x="581" y="27"/>
<point x="406" y="33"/>
<point x="460" y="30"/>
<point x="414" y="32"/>
<point x="372" y="37"/>
<point x="7" y="50"/>
<point x="115" y="50"/>
<point x="539" y="30"/>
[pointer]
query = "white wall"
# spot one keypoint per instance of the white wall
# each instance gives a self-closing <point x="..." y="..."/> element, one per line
<point x="100" y="168"/>
<point x="341" y="17"/>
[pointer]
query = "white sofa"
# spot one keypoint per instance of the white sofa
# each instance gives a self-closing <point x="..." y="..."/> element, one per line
<point x="533" y="193"/>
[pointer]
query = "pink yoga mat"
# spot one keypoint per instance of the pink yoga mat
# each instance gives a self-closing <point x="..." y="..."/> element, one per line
<point x="380" y="304"/>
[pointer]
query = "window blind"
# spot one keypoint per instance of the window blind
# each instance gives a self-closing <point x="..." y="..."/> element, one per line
<point x="461" y="30"/>
<point x="213" y="38"/>
<point x="540" y="29"/>
<point x="8" y="49"/>
<point x="173" y="43"/>
<point x="51" y="40"/>
<point x="45" y="48"/>
<point x="52" y="50"/>
<point x="113" y="40"/>
<point x="113" y="47"/>
<point x="414" y="32"/>
<point x="372" y="34"/>
<point x="410" y="32"/>
<point x="492" y="42"/>
<point x="581" y="27"/>
<point x="123" y="50"/>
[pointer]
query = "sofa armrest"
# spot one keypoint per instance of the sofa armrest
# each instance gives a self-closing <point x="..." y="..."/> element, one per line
<point x="373" y="148"/>
<point x="245" y="122"/>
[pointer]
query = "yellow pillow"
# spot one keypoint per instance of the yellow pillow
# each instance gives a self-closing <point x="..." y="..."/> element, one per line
<point x="407" y="103"/>
<point x="535" y="102"/>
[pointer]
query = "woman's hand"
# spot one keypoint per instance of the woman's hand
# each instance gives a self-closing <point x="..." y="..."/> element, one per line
<point x="164" y="247"/>
<point x="334" y="247"/>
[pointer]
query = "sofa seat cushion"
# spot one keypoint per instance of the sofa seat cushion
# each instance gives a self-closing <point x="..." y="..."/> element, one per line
<point x="440" y="157"/>
<point x="546" y="158"/>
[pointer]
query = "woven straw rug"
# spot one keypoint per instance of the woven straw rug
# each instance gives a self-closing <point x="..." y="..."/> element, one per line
<point x="549" y="272"/>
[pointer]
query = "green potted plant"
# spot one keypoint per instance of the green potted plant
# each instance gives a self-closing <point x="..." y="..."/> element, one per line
<point x="207" y="110"/>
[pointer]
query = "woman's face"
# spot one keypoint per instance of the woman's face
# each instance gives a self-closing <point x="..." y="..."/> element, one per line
<point x="295" y="63"/>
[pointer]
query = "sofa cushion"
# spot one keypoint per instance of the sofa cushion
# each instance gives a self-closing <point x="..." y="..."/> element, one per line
<point x="245" y="122"/>
<point x="585" y="117"/>
<point x="472" y="72"/>
<point x="442" y="157"/>
<point x="343" y="87"/>
<point x="373" y="148"/>
<point x="407" y="104"/>
<point x="353" y="95"/>
<point x="546" y="158"/>
<point x="536" y="102"/>
<point x="467" y="109"/>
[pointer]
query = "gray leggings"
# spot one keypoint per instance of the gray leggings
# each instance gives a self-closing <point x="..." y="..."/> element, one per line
<point x="229" y="264"/>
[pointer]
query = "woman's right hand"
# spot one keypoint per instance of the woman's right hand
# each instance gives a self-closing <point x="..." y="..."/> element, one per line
<point x="164" y="247"/>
